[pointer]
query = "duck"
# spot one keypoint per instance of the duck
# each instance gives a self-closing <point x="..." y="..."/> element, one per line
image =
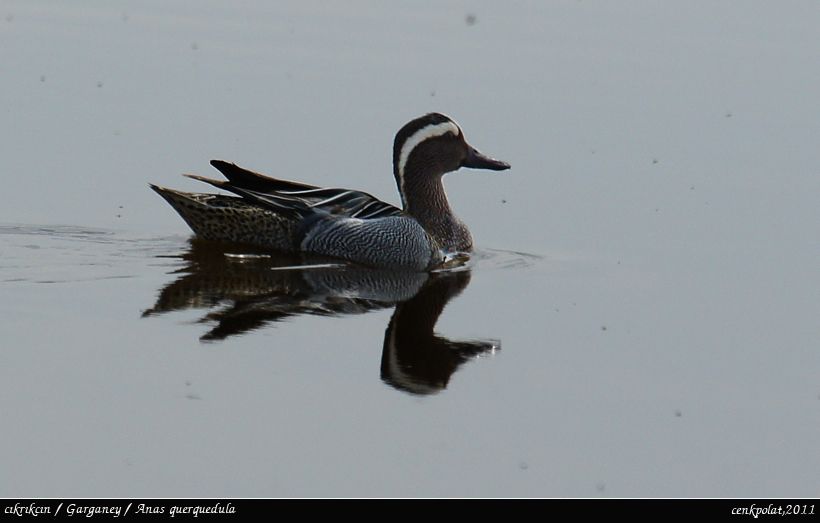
<point x="345" y="224"/>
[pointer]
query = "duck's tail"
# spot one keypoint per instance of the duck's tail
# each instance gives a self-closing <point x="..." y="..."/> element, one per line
<point x="219" y="217"/>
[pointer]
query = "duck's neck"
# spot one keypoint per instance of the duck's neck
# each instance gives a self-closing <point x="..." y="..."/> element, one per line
<point x="426" y="201"/>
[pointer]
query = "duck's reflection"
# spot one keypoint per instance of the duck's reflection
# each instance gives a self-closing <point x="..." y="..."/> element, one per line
<point x="243" y="291"/>
<point x="414" y="358"/>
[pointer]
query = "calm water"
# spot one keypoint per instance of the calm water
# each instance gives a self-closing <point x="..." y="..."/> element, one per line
<point x="640" y="318"/>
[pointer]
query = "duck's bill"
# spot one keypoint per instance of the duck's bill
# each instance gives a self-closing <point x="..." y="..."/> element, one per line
<point x="477" y="160"/>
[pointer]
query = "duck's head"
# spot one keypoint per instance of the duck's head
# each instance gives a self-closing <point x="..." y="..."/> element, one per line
<point x="433" y="145"/>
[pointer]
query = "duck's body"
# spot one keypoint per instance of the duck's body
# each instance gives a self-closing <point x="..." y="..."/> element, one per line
<point x="347" y="224"/>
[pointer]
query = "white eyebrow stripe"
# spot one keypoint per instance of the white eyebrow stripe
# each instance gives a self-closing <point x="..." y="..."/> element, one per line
<point x="422" y="134"/>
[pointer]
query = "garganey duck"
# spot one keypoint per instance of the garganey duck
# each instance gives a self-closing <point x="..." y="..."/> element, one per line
<point x="342" y="223"/>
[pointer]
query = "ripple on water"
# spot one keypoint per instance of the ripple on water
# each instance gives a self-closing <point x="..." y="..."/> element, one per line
<point x="67" y="253"/>
<point x="503" y="259"/>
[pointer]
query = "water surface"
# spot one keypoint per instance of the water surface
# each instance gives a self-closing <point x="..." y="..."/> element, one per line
<point x="640" y="318"/>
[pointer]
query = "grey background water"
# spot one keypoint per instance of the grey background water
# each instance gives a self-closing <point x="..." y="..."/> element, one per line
<point x="663" y="341"/>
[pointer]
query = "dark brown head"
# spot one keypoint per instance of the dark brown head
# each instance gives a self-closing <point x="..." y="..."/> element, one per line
<point x="433" y="145"/>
